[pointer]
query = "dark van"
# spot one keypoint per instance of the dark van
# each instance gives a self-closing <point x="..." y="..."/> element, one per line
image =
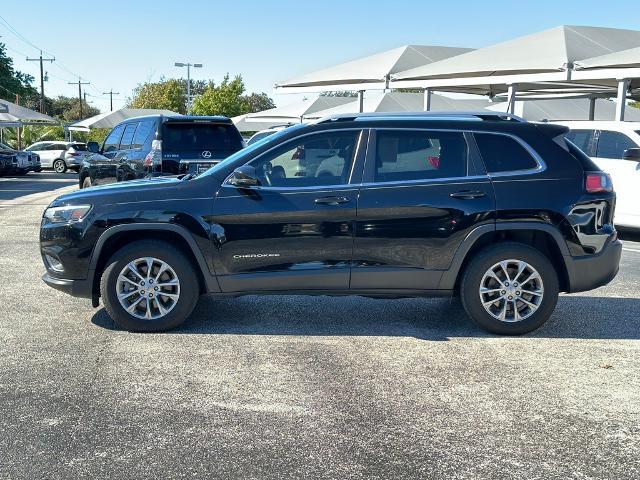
<point x="159" y="145"/>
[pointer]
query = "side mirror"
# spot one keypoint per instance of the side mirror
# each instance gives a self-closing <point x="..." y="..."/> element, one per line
<point x="632" y="154"/>
<point x="93" y="147"/>
<point x="244" y="177"/>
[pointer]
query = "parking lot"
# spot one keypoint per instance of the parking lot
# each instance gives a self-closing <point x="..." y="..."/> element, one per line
<point x="308" y="387"/>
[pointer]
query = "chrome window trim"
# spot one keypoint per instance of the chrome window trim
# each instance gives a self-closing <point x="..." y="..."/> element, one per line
<point x="312" y="187"/>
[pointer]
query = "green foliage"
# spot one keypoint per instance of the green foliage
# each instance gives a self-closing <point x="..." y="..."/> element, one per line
<point x="94" y="135"/>
<point x="635" y="104"/>
<point x="225" y="99"/>
<point x="166" y="94"/>
<point x="257" y="102"/>
<point x="68" y="109"/>
<point x="13" y="82"/>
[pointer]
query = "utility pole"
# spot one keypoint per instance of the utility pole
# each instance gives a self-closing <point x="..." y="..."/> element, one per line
<point x="111" y="93"/>
<point x="41" y="76"/>
<point x="80" y="83"/>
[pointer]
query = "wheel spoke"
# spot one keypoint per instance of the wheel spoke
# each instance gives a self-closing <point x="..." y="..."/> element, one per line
<point x="122" y="278"/>
<point x="504" y="266"/>
<point x="123" y="295"/>
<point x="516" y="314"/>
<point x="533" y="276"/>
<point x="537" y="293"/>
<point x="133" y="268"/>
<point x="503" y="313"/>
<point x="170" y="283"/>
<point x="521" y="266"/>
<point x="490" y="290"/>
<point x="133" y="306"/>
<point x="492" y="274"/>
<point x="148" y="312"/>
<point x="527" y="302"/>
<point x="492" y="301"/>
<point x="163" y="311"/>
<point x="170" y="295"/>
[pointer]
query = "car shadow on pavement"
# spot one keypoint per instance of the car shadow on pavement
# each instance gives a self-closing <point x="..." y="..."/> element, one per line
<point x="579" y="317"/>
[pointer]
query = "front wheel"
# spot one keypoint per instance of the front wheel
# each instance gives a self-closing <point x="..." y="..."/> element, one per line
<point x="509" y="288"/>
<point x="59" y="166"/>
<point x="86" y="183"/>
<point x="149" y="286"/>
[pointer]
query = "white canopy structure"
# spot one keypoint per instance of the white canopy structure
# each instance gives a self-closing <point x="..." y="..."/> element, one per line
<point x="12" y="115"/>
<point x="369" y="73"/>
<point x="287" y="114"/>
<point x="393" y="102"/>
<point x="629" y="58"/>
<point x="111" y="119"/>
<point x="565" y="109"/>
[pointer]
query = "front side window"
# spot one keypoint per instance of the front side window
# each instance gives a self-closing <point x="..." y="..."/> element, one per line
<point x="112" y="142"/>
<point x="37" y="147"/>
<point x="127" y="136"/>
<point x="314" y="160"/>
<point x="418" y="155"/>
<point x="613" y="144"/>
<point x="501" y="153"/>
<point x="582" y="139"/>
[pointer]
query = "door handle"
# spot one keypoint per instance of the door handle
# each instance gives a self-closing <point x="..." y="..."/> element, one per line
<point x="331" y="200"/>
<point x="467" y="194"/>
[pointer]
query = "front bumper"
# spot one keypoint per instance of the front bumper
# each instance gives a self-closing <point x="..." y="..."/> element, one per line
<point x="593" y="271"/>
<point x="75" y="288"/>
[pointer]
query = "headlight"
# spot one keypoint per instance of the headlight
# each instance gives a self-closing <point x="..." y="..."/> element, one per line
<point x="69" y="214"/>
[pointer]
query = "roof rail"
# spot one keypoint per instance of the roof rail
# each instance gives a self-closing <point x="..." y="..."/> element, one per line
<point x="430" y="115"/>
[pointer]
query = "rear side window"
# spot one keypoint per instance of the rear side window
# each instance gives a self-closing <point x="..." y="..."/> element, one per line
<point x="613" y="144"/>
<point x="503" y="154"/>
<point x="127" y="136"/>
<point x="418" y="155"/>
<point x="582" y="139"/>
<point x="200" y="136"/>
<point x="112" y="142"/>
<point x="78" y="147"/>
<point x="142" y="133"/>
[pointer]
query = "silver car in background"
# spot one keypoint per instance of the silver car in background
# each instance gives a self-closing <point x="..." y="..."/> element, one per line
<point x="60" y="155"/>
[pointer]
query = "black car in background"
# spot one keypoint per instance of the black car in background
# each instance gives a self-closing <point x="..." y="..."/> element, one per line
<point x="17" y="162"/>
<point x="159" y="145"/>
<point x="502" y="212"/>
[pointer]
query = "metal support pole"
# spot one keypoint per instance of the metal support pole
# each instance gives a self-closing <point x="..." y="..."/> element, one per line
<point x="621" y="100"/>
<point x="592" y="108"/>
<point x="427" y="99"/>
<point x="361" y="101"/>
<point x="188" y="88"/>
<point x="511" y="98"/>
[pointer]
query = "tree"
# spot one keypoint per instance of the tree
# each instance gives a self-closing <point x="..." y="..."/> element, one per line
<point x="257" y="102"/>
<point x="635" y="104"/>
<point x="166" y="94"/>
<point x="225" y="99"/>
<point x="68" y="108"/>
<point x="13" y="82"/>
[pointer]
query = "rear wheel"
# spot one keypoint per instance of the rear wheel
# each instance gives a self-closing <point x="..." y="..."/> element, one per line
<point x="149" y="286"/>
<point x="86" y="183"/>
<point x="59" y="166"/>
<point x="509" y="288"/>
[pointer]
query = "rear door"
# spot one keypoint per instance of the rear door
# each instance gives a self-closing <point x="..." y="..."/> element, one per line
<point x="103" y="166"/>
<point x="294" y="231"/>
<point x="126" y="164"/>
<point x="625" y="174"/>
<point x="422" y="193"/>
<point x="194" y="146"/>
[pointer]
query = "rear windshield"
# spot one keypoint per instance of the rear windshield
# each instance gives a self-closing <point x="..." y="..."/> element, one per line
<point x="200" y="136"/>
<point x="78" y="147"/>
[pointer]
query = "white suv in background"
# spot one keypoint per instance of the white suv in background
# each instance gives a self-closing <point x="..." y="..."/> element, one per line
<point x="59" y="155"/>
<point x="615" y="148"/>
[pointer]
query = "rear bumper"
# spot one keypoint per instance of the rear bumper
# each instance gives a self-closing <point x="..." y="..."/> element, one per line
<point x="75" y="288"/>
<point x="593" y="271"/>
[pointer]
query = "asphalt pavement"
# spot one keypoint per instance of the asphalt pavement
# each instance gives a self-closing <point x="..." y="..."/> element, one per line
<point x="308" y="387"/>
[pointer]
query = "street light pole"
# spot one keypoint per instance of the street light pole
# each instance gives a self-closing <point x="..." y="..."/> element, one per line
<point x="41" y="77"/>
<point x="188" y="65"/>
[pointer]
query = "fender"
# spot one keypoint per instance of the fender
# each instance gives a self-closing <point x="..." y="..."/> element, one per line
<point x="450" y="276"/>
<point x="211" y="283"/>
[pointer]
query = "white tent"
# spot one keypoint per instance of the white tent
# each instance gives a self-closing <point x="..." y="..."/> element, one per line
<point x="565" y="109"/>
<point x="370" y="72"/>
<point x="16" y="115"/>
<point x="111" y="119"/>
<point x="629" y="58"/>
<point x="392" y="102"/>
<point x="287" y="114"/>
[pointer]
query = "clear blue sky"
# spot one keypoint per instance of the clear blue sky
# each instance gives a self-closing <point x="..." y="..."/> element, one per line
<point x="117" y="44"/>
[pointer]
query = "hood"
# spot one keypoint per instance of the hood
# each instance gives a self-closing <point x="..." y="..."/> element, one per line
<point x="124" y="192"/>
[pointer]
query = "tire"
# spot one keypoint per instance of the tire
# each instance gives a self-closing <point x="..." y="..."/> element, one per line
<point x="86" y="182"/>
<point x="544" y="292"/>
<point x="181" y="269"/>
<point x="59" y="166"/>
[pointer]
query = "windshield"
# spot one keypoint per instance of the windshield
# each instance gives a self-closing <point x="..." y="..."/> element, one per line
<point x="200" y="136"/>
<point x="251" y="148"/>
<point x="5" y="147"/>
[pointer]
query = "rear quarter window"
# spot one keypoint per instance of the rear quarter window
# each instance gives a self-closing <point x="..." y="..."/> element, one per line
<point x="501" y="153"/>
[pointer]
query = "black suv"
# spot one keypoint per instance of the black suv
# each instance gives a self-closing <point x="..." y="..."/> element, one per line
<point x="504" y="212"/>
<point x="159" y="145"/>
<point x="17" y="162"/>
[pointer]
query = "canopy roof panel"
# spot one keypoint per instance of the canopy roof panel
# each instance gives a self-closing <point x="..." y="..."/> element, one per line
<point x="111" y="119"/>
<point x="375" y="68"/>
<point x="550" y="51"/>
<point x="16" y="113"/>
<point x="565" y="109"/>
<point x="629" y="58"/>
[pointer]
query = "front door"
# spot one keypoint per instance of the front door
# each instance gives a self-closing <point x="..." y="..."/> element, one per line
<point x="294" y="231"/>
<point x="104" y="165"/>
<point x="422" y="193"/>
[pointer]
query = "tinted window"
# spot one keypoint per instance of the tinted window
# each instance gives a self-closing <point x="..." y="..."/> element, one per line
<point x="503" y="154"/>
<point x="200" y="136"/>
<point x="259" y="136"/>
<point x="37" y="147"/>
<point x="127" y="136"/>
<point x="416" y="155"/>
<point x="112" y="142"/>
<point x="56" y="146"/>
<point x="79" y="147"/>
<point x="322" y="159"/>
<point x="142" y="133"/>
<point x="613" y="144"/>
<point x="582" y="139"/>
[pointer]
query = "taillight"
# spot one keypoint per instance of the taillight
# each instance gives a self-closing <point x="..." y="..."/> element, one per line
<point x="597" y="182"/>
<point x="154" y="157"/>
